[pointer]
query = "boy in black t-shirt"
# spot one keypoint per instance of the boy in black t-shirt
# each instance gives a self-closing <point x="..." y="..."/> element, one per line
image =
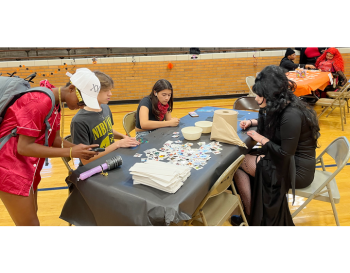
<point x="91" y="126"/>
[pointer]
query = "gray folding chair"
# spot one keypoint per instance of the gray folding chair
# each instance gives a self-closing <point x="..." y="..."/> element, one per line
<point x="66" y="162"/>
<point x="338" y="101"/>
<point x="129" y="122"/>
<point x="324" y="187"/>
<point x="250" y="81"/>
<point x="218" y="205"/>
<point x="246" y="103"/>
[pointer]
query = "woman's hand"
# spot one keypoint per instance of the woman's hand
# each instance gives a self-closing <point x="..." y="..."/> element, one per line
<point x="244" y="124"/>
<point x="174" y="122"/>
<point x="254" y="135"/>
<point x="127" y="142"/>
<point x="83" y="151"/>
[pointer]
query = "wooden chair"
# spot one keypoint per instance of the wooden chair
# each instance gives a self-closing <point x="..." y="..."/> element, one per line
<point x="338" y="101"/>
<point x="250" y="81"/>
<point x="218" y="205"/>
<point x="324" y="187"/>
<point x="246" y="103"/>
<point x="129" y="122"/>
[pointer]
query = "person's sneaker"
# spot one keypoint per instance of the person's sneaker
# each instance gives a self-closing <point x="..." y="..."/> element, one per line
<point x="236" y="220"/>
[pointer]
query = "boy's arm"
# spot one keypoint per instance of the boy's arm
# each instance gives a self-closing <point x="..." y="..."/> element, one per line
<point x="118" y="135"/>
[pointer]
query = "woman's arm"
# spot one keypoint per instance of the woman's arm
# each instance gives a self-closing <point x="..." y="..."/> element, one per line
<point x="168" y="116"/>
<point x="147" y="124"/>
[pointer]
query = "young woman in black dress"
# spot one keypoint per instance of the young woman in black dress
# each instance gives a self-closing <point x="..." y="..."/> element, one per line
<point x="288" y="131"/>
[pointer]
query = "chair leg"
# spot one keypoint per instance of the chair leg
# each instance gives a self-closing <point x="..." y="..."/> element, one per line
<point x="323" y="111"/>
<point x="203" y="218"/>
<point x="245" y="222"/>
<point x="330" y="112"/>
<point x="333" y="205"/>
<point x="303" y="205"/>
<point x="341" y="118"/>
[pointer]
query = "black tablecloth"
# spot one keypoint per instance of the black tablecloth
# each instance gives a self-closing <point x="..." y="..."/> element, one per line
<point x="114" y="200"/>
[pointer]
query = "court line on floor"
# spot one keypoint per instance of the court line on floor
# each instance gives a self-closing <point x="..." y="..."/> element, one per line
<point x="64" y="188"/>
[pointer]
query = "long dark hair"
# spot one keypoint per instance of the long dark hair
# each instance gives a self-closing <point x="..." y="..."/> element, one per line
<point x="161" y="85"/>
<point x="273" y="84"/>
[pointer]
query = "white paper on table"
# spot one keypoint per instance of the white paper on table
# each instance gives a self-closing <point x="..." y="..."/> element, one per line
<point x="160" y="175"/>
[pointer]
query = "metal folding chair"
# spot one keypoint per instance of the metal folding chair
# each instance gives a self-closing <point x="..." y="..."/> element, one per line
<point x="218" y="205"/>
<point x="250" y="81"/>
<point x="338" y="101"/>
<point x="246" y="103"/>
<point x="66" y="161"/>
<point x="129" y="122"/>
<point x="324" y="187"/>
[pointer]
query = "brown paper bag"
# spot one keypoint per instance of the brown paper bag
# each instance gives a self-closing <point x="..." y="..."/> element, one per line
<point x="223" y="132"/>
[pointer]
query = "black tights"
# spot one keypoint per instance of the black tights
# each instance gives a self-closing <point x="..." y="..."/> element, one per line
<point x="242" y="180"/>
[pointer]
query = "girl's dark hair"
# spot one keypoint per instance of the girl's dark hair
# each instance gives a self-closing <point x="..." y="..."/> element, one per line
<point x="273" y="84"/>
<point x="161" y="85"/>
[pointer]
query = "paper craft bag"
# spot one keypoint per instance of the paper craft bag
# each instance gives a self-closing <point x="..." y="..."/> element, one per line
<point x="222" y="131"/>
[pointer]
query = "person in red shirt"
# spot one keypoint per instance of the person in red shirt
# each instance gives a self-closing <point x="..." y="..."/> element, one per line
<point x="23" y="156"/>
<point x="332" y="61"/>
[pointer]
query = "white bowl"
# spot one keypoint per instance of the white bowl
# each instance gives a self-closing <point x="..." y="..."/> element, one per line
<point x="205" y="125"/>
<point x="192" y="132"/>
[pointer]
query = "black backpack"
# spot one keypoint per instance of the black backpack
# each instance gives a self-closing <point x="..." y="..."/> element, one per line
<point x="10" y="90"/>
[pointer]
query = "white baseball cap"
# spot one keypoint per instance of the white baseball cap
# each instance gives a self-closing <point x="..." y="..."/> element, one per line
<point x="88" y="84"/>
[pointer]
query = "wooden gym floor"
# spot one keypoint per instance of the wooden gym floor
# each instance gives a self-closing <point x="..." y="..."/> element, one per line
<point x="53" y="193"/>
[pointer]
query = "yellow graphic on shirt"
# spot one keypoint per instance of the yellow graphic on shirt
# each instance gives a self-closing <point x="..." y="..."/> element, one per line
<point x="100" y="131"/>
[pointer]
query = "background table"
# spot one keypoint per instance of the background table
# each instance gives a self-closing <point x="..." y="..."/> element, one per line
<point x="114" y="200"/>
<point x="312" y="82"/>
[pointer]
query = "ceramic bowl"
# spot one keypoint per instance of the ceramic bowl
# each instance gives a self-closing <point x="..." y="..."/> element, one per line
<point x="192" y="132"/>
<point x="205" y="125"/>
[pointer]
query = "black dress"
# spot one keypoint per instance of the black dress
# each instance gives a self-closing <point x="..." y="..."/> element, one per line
<point x="289" y="158"/>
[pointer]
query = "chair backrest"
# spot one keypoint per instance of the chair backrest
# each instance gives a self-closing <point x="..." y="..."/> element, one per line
<point x="67" y="159"/>
<point x="250" y="80"/>
<point x="339" y="150"/>
<point x="343" y="92"/>
<point x="223" y="182"/>
<point x="129" y="122"/>
<point x="246" y="103"/>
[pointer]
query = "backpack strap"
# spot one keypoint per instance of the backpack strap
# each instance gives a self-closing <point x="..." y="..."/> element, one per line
<point x="50" y="94"/>
<point x="6" y="138"/>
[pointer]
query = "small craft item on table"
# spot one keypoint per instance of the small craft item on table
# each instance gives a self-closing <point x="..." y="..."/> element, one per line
<point x="160" y="175"/>
<point x="180" y="154"/>
<point x="300" y="73"/>
<point x="224" y="128"/>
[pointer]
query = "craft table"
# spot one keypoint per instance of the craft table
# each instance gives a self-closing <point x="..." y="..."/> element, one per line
<point x="312" y="82"/>
<point x="113" y="200"/>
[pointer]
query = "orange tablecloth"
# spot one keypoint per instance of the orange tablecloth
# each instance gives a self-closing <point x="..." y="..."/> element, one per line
<point x="312" y="82"/>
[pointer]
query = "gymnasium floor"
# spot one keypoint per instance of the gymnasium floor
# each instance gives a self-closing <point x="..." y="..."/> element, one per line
<point x="53" y="193"/>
